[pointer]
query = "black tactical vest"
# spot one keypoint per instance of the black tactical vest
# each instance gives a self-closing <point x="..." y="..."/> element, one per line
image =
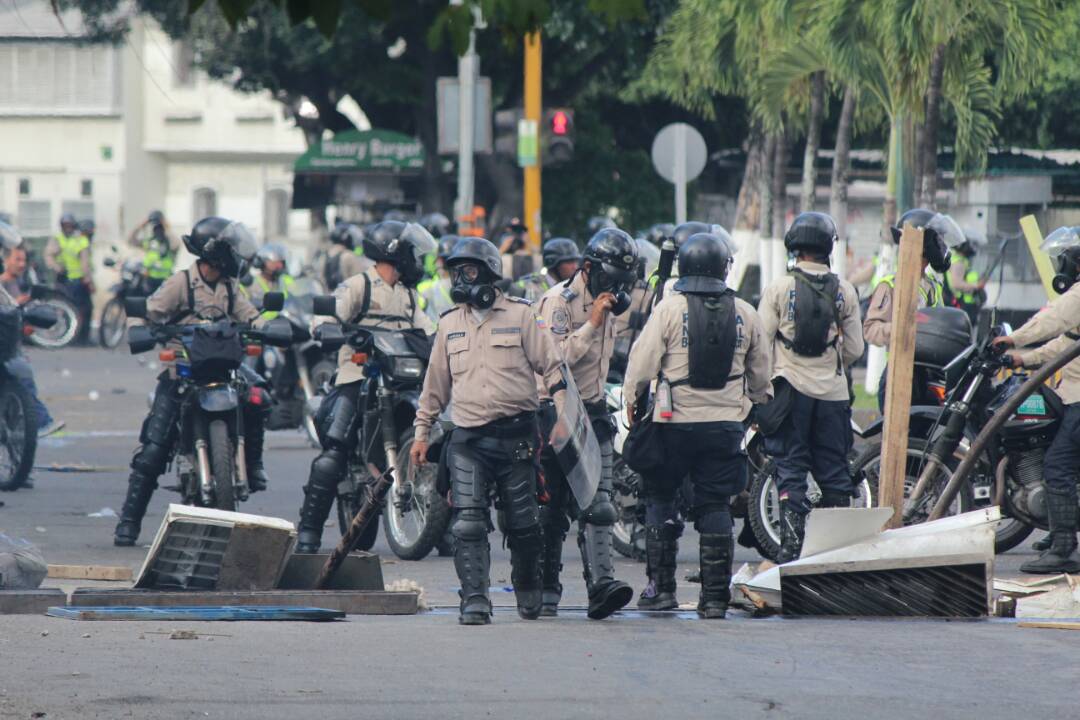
<point x="815" y="313"/>
<point x="711" y="338"/>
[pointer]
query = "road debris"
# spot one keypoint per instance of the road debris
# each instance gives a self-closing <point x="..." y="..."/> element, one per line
<point x="1061" y="599"/>
<point x="90" y="572"/>
<point x="22" y="566"/>
<point x="105" y="512"/>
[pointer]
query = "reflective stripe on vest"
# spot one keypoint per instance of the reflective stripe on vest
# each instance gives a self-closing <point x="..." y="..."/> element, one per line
<point x="70" y="250"/>
<point x="938" y="300"/>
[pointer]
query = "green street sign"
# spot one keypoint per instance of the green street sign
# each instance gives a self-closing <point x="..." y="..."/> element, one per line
<point x="363" y="151"/>
<point x="528" y="145"/>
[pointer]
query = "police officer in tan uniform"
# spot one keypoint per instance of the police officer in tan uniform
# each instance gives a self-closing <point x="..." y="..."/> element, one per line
<point x="342" y="261"/>
<point x="628" y="325"/>
<point x="580" y="313"/>
<point x="384" y="295"/>
<point x="206" y="291"/>
<point x="707" y="346"/>
<point x="810" y="319"/>
<point x="487" y="352"/>
<point x="561" y="259"/>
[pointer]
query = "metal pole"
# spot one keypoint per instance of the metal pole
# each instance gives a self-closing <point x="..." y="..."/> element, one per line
<point x="533" y="104"/>
<point x="680" y="174"/>
<point x="467" y="71"/>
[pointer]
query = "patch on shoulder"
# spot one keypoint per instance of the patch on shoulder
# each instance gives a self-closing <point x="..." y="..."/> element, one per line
<point x="560" y="321"/>
<point x="568" y="294"/>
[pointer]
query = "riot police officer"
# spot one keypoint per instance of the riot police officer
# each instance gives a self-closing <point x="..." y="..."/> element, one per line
<point x="561" y="259"/>
<point x="628" y="325"/>
<point x="1059" y="324"/>
<point x="810" y="320"/>
<point x="435" y="291"/>
<point x="272" y="277"/>
<point x="383" y="295"/>
<point x="204" y="291"/>
<point x="487" y="352"/>
<point x="580" y="313"/>
<point x="705" y="346"/>
<point x="342" y="259"/>
<point x="940" y="232"/>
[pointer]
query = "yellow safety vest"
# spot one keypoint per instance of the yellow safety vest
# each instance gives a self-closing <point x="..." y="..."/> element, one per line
<point x="70" y="250"/>
<point x="970" y="276"/>
<point x="158" y="264"/>
<point x="286" y="282"/>
<point x="937" y="301"/>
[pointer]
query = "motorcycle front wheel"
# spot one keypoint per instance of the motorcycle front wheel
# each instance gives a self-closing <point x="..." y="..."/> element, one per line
<point x="66" y="327"/>
<point x="113" y="324"/>
<point x="222" y="465"/>
<point x="18" y="434"/>
<point x="416" y="520"/>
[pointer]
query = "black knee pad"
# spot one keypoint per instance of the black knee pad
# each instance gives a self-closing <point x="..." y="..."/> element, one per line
<point x="470" y="524"/>
<point x="555" y="518"/>
<point x="526" y="539"/>
<point x="151" y="459"/>
<point x="327" y="469"/>
<point x="602" y="512"/>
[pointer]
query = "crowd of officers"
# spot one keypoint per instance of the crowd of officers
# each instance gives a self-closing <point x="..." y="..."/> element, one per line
<point x="504" y="338"/>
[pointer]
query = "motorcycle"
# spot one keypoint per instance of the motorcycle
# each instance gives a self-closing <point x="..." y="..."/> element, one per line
<point x="18" y="416"/>
<point x="209" y="452"/>
<point x="299" y="374"/>
<point x="415" y="515"/>
<point x="113" y="318"/>
<point x="64" y="330"/>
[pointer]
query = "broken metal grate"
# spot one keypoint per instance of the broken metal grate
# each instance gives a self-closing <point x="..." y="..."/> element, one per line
<point x="189" y="557"/>
<point x="940" y="591"/>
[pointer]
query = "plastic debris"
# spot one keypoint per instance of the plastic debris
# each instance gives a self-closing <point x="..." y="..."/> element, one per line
<point x="93" y="395"/>
<point x="21" y="565"/>
<point x="105" y="512"/>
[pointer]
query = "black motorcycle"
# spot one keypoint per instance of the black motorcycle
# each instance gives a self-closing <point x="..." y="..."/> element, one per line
<point x="113" y="318"/>
<point x="18" y="416"/>
<point x="415" y="514"/>
<point x="209" y="452"/>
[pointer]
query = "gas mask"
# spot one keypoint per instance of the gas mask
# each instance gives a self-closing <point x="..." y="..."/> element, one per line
<point x="937" y="252"/>
<point x="603" y="278"/>
<point x="1067" y="270"/>
<point x="470" y="284"/>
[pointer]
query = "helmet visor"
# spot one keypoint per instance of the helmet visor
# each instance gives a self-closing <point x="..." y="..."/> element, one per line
<point x="1061" y="240"/>
<point x="947" y="229"/>
<point x="421" y="241"/>
<point x="650" y="254"/>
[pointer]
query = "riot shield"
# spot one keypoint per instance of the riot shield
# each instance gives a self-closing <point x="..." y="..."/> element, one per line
<point x="576" y="447"/>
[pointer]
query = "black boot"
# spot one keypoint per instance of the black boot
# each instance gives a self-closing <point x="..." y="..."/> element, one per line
<point x="254" y="436"/>
<point x="835" y="500"/>
<point x="1061" y="556"/>
<point x="472" y="560"/>
<point x="140" y="488"/>
<point x="319" y="494"/>
<point x="551" y="566"/>
<point x="525" y="549"/>
<point x="661" y="549"/>
<point x="1041" y="545"/>
<point x="606" y="594"/>
<point x="792" y="529"/>
<point x="716" y="553"/>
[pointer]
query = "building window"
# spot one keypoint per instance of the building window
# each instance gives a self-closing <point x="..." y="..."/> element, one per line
<point x="276" y="214"/>
<point x="183" y="63"/>
<point x="34" y="218"/>
<point x="205" y="204"/>
<point x="24" y="187"/>
<point x="86" y="188"/>
<point x="44" y="77"/>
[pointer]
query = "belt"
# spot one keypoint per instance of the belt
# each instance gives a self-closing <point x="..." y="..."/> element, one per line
<point x="515" y="426"/>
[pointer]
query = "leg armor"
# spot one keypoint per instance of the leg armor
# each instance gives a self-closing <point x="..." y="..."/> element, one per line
<point x="327" y="471"/>
<point x="606" y="594"/>
<point x="472" y="554"/>
<point x="158" y="437"/>
<point x="255" y="416"/>
<point x="554" y="523"/>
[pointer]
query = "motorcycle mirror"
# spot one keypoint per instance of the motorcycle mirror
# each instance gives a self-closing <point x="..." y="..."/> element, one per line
<point x="330" y="336"/>
<point x="140" y="338"/>
<point x="325" y="305"/>
<point x="109" y="262"/>
<point x="135" y="307"/>
<point x="40" y="316"/>
<point x="273" y="302"/>
<point x="39" y="292"/>
<point x="278" y="332"/>
<point x="247" y="279"/>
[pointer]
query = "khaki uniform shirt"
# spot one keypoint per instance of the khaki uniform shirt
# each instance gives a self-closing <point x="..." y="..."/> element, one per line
<point x="816" y="377"/>
<point x="586" y="348"/>
<point x="489" y="365"/>
<point x="662" y="347"/>
<point x="386" y="301"/>
<point x="1060" y="317"/>
<point x="877" y="327"/>
<point x="211" y="303"/>
<point x="351" y="263"/>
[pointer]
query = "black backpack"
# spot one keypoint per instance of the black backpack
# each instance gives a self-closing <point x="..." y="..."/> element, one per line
<point x="815" y="313"/>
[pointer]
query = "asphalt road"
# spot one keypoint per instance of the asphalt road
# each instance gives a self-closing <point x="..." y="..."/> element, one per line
<point x="427" y="666"/>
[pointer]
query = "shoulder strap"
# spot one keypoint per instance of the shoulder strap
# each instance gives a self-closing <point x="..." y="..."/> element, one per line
<point x="365" y="303"/>
<point x="232" y="294"/>
<point x="190" y="292"/>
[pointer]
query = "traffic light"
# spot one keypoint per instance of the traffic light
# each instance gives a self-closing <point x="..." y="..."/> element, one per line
<point x="558" y="136"/>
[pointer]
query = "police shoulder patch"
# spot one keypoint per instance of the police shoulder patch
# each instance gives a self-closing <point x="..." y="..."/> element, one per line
<point x="560" y="321"/>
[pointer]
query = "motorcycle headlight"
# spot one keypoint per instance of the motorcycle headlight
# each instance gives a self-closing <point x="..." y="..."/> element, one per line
<point x="408" y="368"/>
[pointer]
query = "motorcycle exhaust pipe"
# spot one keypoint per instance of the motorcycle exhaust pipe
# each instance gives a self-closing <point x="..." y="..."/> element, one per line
<point x="999" y="480"/>
<point x="202" y="455"/>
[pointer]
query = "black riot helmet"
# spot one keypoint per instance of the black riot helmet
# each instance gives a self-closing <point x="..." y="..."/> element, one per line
<point x="1063" y="247"/>
<point x="447" y="243"/>
<point x="658" y="232"/>
<point x="704" y="260"/>
<point x="436" y="223"/>
<point x="224" y="244"/>
<point x="683" y="232"/>
<point x="812" y="232"/>
<point x="401" y="244"/>
<point x="611" y="256"/>
<point x="940" y="233"/>
<point x="559" y="250"/>
<point x="474" y="266"/>
<point x="347" y="234"/>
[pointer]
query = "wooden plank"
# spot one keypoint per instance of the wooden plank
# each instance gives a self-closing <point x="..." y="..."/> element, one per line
<point x="30" y="602"/>
<point x="198" y="614"/>
<point x="1051" y="625"/>
<point x="90" y="572"/>
<point x="1034" y="238"/>
<point x="351" y="602"/>
<point x="901" y="368"/>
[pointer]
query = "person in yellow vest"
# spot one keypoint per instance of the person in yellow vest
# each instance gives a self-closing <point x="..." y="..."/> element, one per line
<point x="435" y="291"/>
<point x="966" y="288"/>
<point x="159" y="248"/>
<point x="270" y="261"/>
<point x="68" y="255"/>
<point x="940" y="232"/>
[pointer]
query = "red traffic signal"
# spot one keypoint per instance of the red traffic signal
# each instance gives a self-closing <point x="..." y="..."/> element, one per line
<point x="560" y="123"/>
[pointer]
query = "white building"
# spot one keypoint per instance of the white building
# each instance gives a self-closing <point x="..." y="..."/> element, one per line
<point x="112" y="133"/>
